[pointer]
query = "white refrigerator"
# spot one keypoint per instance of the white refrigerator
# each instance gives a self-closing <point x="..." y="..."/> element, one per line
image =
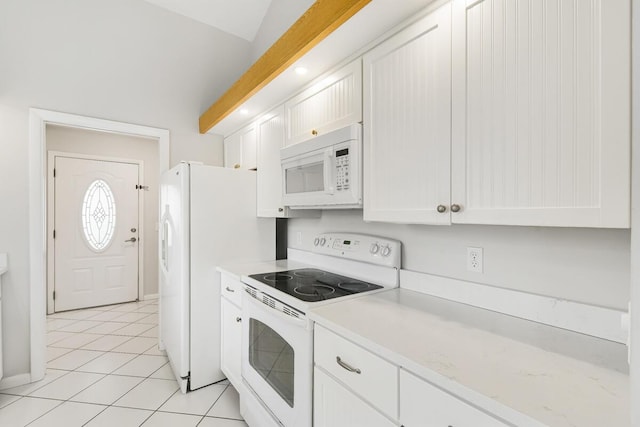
<point x="208" y="218"/>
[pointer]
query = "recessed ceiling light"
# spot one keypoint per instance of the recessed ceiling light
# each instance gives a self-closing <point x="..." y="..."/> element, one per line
<point x="244" y="111"/>
<point x="301" y="71"/>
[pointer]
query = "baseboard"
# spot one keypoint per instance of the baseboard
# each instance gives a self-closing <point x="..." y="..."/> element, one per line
<point x="150" y="297"/>
<point x="15" y="381"/>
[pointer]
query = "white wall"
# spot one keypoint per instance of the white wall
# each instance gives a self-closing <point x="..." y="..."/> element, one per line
<point x="279" y="17"/>
<point x="585" y="265"/>
<point x="123" y="60"/>
<point x="73" y="140"/>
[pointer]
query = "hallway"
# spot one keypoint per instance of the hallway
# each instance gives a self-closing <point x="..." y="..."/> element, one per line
<point x="104" y="369"/>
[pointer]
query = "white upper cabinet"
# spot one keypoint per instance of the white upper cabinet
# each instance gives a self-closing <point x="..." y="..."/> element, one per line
<point x="331" y="104"/>
<point x="270" y="139"/>
<point x="240" y="149"/>
<point x="541" y="117"/>
<point x="407" y="124"/>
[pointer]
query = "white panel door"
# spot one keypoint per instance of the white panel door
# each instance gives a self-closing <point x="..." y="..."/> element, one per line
<point x="335" y="406"/>
<point x="407" y="124"/>
<point x="333" y="103"/>
<point x="541" y="117"/>
<point x="231" y="342"/>
<point x="95" y="223"/>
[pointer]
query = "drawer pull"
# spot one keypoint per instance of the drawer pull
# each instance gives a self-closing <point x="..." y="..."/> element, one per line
<point x="347" y="366"/>
<point x="229" y="289"/>
<point x="238" y="319"/>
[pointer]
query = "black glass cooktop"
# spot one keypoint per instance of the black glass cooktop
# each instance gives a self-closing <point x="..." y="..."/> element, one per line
<point x="312" y="285"/>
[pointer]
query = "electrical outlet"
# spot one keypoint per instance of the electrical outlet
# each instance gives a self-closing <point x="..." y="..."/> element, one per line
<point x="474" y="259"/>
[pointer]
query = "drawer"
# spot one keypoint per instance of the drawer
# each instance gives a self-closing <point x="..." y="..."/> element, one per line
<point x="422" y="403"/>
<point x="231" y="289"/>
<point x="375" y="380"/>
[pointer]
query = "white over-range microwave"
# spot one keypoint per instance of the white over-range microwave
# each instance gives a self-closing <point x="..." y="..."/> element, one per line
<point x="324" y="172"/>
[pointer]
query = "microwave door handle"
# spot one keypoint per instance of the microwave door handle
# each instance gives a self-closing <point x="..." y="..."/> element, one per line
<point x="328" y="171"/>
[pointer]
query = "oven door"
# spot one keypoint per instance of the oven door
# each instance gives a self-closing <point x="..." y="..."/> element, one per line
<point x="277" y="360"/>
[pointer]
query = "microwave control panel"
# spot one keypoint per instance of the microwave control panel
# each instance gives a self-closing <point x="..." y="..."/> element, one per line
<point x="342" y="169"/>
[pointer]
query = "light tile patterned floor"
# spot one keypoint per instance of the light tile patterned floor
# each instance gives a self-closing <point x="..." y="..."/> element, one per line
<point x="104" y="369"/>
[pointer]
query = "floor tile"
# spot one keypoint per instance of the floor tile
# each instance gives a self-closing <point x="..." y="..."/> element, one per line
<point x="197" y="402"/>
<point x="151" y="319"/>
<point x="149" y="394"/>
<point x="107" y="363"/>
<point x="74" y="359"/>
<point x="164" y="372"/>
<point x="120" y="417"/>
<point x="54" y="352"/>
<point x="142" y="366"/>
<point x="76" y="340"/>
<point x="167" y="419"/>
<point x="227" y="406"/>
<point x="155" y="351"/>
<point x="75" y="314"/>
<point x="68" y="414"/>
<point x="78" y="326"/>
<point x="24" y="410"/>
<point x="105" y="316"/>
<point x="128" y="307"/>
<point x="6" y="399"/>
<point x="23" y="390"/>
<point x="66" y="386"/>
<point x="107" y="390"/>
<point x="130" y="317"/>
<point x="149" y="308"/>
<point x="153" y="332"/>
<point x="133" y="329"/>
<point x="221" y="422"/>
<point x="55" y="336"/>
<point x="56" y="324"/>
<point x="106" y="343"/>
<point x="136" y="345"/>
<point x="106" y="328"/>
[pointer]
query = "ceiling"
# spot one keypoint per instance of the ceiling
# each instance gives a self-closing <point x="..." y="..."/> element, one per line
<point x="241" y="18"/>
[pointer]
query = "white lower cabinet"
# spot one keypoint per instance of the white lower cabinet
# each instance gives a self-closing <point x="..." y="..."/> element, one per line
<point x="230" y="345"/>
<point x="425" y="405"/>
<point x="335" y="406"/>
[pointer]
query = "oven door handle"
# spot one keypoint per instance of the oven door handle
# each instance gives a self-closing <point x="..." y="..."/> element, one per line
<point x="288" y="318"/>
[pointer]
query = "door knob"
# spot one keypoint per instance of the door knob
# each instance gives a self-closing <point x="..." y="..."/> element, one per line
<point x="133" y="240"/>
<point x="133" y="230"/>
<point x="455" y="208"/>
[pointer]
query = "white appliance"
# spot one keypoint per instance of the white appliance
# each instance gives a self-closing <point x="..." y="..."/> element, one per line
<point x="324" y="172"/>
<point x="277" y="335"/>
<point x="3" y="269"/>
<point x="208" y="218"/>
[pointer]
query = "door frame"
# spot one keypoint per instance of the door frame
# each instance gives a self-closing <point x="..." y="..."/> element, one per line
<point x="51" y="197"/>
<point x="38" y="120"/>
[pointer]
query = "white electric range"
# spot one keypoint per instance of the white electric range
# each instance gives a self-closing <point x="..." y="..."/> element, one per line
<point x="277" y="335"/>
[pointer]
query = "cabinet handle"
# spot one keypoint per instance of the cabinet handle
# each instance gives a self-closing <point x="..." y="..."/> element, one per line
<point x="236" y="166"/>
<point x="280" y="209"/>
<point x="229" y="289"/>
<point x="455" y="208"/>
<point x="314" y="132"/>
<point x="238" y="319"/>
<point x="347" y="366"/>
<point x="441" y="208"/>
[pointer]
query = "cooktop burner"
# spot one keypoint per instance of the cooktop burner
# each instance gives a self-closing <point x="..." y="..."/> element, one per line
<point x="311" y="285"/>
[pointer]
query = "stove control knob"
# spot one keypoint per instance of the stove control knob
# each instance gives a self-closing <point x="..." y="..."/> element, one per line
<point x="385" y="251"/>
<point x="322" y="241"/>
<point x="374" y="248"/>
<point x="316" y="241"/>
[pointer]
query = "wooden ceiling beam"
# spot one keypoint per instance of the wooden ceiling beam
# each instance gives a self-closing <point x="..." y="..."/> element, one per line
<point x="320" y="20"/>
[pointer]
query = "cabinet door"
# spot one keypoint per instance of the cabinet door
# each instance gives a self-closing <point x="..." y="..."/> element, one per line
<point x="335" y="406"/>
<point x="541" y="120"/>
<point x="333" y="103"/>
<point x="231" y="341"/>
<point x="424" y="405"/>
<point x="407" y="117"/>
<point x="240" y="149"/>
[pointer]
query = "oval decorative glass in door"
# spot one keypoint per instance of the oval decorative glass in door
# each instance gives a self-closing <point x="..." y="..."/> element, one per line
<point x="98" y="215"/>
